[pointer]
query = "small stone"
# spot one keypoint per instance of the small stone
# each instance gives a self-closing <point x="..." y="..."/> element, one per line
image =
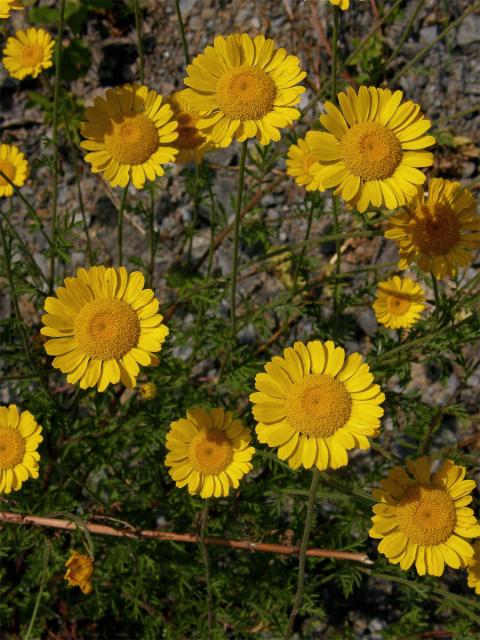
<point x="428" y="34"/>
<point x="469" y="31"/>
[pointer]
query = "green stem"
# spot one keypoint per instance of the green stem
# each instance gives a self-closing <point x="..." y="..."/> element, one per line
<point x="236" y="234"/>
<point x="405" y="34"/>
<point x="39" y="594"/>
<point x="138" y="29"/>
<point x="121" y="209"/>
<point x="151" y="236"/>
<point x="194" y="221"/>
<point x="55" y="168"/>
<point x="299" y="263"/>
<point x="213" y="224"/>
<point x="182" y="33"/>
<point x="436" y="295"/>
<point x="303" y="553"/>
<point x="338" y="264"/>
<point x="206" y="563"/>
<point x="334" y="52"/>
<point x="24" y="247"/>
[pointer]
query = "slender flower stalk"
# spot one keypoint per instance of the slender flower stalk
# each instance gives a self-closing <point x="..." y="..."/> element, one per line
<point x="121" y="209"/>
<point x="40" y="592"/>
<point x="139" y="30"/>
<point x="182" y="33"/>
<point x="206" y="563"/>
<point x="436" y="295"/>
<point x="236" y="233"/>
<point x="338" y="264"/>
<point x="151" y="236"/>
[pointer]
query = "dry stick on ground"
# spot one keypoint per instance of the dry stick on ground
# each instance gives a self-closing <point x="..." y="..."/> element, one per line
<point x="132" y="532"/>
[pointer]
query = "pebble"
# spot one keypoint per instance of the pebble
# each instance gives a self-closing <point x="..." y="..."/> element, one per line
<point x="469" y="31"/>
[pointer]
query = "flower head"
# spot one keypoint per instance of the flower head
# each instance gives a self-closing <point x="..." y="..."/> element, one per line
<point x="439" y="231"/>
<point x="473" y="569"/>
<point x="129" y="135"/>
<point x="302" y="156"/>
<point x="315" y="405"/>
<point x="148" y="390"/>
<point x="342" y="4"/>
<point x="373" y="148"/>
<point x="79" y="572"/>
<point x="28" y="53"/>
<point x="399" y="302"/>
<point x="102" y="325"/>
<point x="423" y="518"/>
<point x="9" y="5"/>
<point x="19" y="440"/>
<point x="14" y="165"/>
<point x="244" y="88"/>
<point x="192" y="143"/>
<point x="209" y="452"/>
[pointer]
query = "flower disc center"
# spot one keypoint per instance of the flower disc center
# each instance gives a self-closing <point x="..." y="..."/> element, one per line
<point x="435" y="229"/>
<point x="426" y="514"/>
<point x="31" y="55"/>
<point x="189" y="137"/>
<point x="12" y="448"/>
<point x="398" y="304"/>
<point x="133" y="140"/>
<point x="318" y="405"/>
<point x="107" y="328"/>
<point x="211" y="452"/>
<point x="8" y="169"/>
<point x="246" y="93"/>
<point x="371" y="151"/>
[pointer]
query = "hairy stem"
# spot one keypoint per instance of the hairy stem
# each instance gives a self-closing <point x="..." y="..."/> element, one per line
<point x="236" y="234"/>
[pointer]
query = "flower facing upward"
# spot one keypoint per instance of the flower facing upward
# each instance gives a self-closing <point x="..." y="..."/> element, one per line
<point x="399" y="302"/>
<point x="148" y="390"/>
<point x="302" y="156"/>
<point x="473" y="569"/>
<point x="79" y="572"/>
<point x="244" y="88"/>
<point x="9" y="5"/>
<point x="129" y="135"/>
<point x="209" y="452"/>
<point x="343" y="4"/>
<point x="192" y="143"/>
<point x="19" y="440"/>
<point x="425" y="520"/>
<point x="14" y="165"/>
<point x="315" y="405"/>
<point x="438" y="232"/>
<point x="373" y="148"/>
<point x="28" y="53"/>
<point x="102" y="325"/>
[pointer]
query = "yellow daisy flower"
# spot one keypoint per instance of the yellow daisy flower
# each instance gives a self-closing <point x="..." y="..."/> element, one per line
<point x="79" y="572"/>
<point x="302" y="156"/>
<point x="129" y="135"/>
<point x="473" y="569"/>
<point x="148" y="390"/>
<point x="14" y="165"/>
<point x="9" y="5"/>
<point x="209" y="452"/>
<point x="373" y="148"/>
<point x="438" y="232"/>
<point x="192" y="143"/>
<point x="399" y="302"/>
<point x="102" y="325"/>
<point x="244" y="88"/>
<point x="315" y="405"/>
<point x="343" y="4"/>
<point x="425" y="520"/>
<point x="19" y="440"/>
<point x="28" y="53"/>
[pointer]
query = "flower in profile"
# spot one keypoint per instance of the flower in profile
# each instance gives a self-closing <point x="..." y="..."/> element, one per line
<point x="423" y="519"/>
<point x="28" y="53"/>
<point x="399" y="302"/>
<point x="103" y="324"/>
<point x="473" y="569"/>
<point x="302" y="156"/>
<point x="342" y="4"/>
<point x="373" y="149"/>
<point x="14" y="165"/>
<point x="209" y="452"/>
<point x="79" y="572"/>
<point x="192" y="143"/>
<point x="244" y="88"/>
<point x="315" y="405"/>
<point x="19" y="440"/>
<point x="129" y="135"/>
<point x="148" y="390"/>
<point x="9" y="5"/>
<point x="438" y="232"/>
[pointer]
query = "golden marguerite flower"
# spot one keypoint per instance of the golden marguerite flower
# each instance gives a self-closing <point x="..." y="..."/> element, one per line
<point x="424" y="519"/>
<point x="244" y="88"/>
<point x="19" y="440"/>
<point x="438" y="232"/>
<point x="315" y="405"/>
<point x="79" y="572"/>
<point x="148" y="390"/>
<point x="473" y="569"/>
<point x="399" y="302"/>
<point x="28" y="53"/>
<point x="102" y="325"/>
<point x="192" y="143"/>
<point x="14" y="165"/>
<point x="302" y="156"/>
<point x="9" y="5"/>
<point x="373" y="148"/>
<point x="129" y="135"/>
<point x="343" y="4"/>
<point x="209" y="452"/>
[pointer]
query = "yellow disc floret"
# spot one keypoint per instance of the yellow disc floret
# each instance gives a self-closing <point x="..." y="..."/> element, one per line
<point x="246" y="93"/>
<point x="426" y="514"/>
<point x="371" y="151"/>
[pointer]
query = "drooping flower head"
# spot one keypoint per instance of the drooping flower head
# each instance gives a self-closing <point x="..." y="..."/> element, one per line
<point x="302" y="156"/>
<point x="19" y="440"/>
<point x="422" y="519"/>
<point x="103" y="324"/>
<point x="192" y="143"/>
<point x="9" y="5"/>
<point x="438" y="232"/>
<point x="473" y="569"/>
<point x="209" y="452"/>
<point x="342" y="4"/>
<point x="148" y="390"/>
<point x="373" y="149"/>
<point x="129" y="135"/>
<point x="28" y="53"/>
<point x="79" y="572"/>
<point x="14" y="165"/>
<point x="399" y="302"/>
<point x="315" y="405"/>
<point x="244" y="88"/>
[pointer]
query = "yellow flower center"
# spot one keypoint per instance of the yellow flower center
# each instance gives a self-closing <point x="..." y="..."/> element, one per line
<point x="107" y="328"/>
<point x="371" y="151"/>
<point x="133" y="140"/>
<point x="398" y="305"/>
<point x="318" y="405"/>
<point x="246" y="93"/>
<point x="8" y="169"/>
<point x="211" y="452"/>
<point x="12" y="448"/>
<point x="31" y="55"/>
<point x="435" y="229"/>
<point x="426" y="514"/>
<point x="189" y="137"/>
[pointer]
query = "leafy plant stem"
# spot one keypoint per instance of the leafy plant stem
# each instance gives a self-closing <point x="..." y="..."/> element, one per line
<point x="121" y="209"/>
<point x="138" y="29"/>
<point x="182" y="33"/>
<point x="40" y="592"/>
<point x="236" y="234"/>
